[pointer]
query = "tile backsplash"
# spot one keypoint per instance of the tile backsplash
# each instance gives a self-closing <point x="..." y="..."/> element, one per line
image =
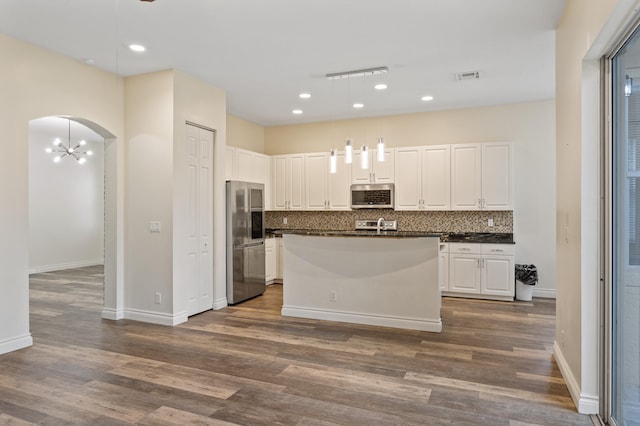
<point x="434" y="221"/>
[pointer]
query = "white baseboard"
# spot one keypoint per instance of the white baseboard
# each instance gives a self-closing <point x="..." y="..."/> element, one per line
<point x="359" y="318"/>
<point x="586" y="404"/>
<point x="66" y="265"/>
<point x="13" y="344"/>
<point x="112" y="314"/>
<point x="547" y="293"/>
<point x="220" y="303"/>
<point x="155" y="317"/>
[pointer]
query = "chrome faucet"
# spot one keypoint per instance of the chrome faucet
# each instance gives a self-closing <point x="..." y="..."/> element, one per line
<point x="380" y="222"/>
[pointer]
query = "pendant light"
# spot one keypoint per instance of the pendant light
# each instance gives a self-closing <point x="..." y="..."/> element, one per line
<point x="381" y="149"/>
<point x="348" y="151"/>
<point x="364" y="157"/>
<point x="333" y="161"/>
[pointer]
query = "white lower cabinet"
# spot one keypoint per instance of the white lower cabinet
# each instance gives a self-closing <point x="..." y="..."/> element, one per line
<point x="269" y="260"/>
<point x="480" y="270"/>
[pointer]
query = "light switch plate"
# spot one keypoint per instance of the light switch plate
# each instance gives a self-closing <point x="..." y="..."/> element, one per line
<point x="154" y="226"/>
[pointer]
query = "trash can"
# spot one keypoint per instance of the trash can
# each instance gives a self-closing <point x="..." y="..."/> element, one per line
<point x="526" y="278"/>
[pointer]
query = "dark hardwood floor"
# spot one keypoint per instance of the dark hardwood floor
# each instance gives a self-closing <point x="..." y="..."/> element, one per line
<point x="247" y="365"/>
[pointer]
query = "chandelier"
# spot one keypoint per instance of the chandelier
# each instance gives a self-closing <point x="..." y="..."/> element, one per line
<point x="61" y="150"/>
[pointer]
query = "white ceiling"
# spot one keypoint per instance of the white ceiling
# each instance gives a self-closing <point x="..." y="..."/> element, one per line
<point x="265" y="52"/>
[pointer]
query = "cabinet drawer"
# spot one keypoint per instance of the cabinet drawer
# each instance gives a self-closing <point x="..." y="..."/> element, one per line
<point x="498" y="249"/>
<point x="464" y="248"/>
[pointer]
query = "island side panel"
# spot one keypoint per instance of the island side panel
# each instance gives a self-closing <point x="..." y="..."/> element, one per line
<point x="367" y="280"/>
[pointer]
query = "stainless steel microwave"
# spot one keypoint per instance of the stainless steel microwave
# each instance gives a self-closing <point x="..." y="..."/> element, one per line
<point x="372" y="196"/>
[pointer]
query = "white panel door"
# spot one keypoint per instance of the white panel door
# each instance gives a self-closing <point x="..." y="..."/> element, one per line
<point x="466" y="184"/>
<point x="497" y="176"/>
<point x="436" y="177"/>
<point x="316" y="168"/>
<point x="199" y="150"/>
<point x="408" y="178"/>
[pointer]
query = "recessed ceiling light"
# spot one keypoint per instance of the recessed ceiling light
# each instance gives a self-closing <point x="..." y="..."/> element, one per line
<point x="137" y="48"/>
<point x="380" y="86"/>
<point x="427" y="98"/>
<point x="304" y="95"/>
<point x="358" y="105"/>
<point x="89" y="61"/>
<point x="297" y="111"/>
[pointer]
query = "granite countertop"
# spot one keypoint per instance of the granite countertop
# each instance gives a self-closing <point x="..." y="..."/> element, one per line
<point x="336" y="233"/>
<point x="448" y="237"/>
<point x="478" y="237"/>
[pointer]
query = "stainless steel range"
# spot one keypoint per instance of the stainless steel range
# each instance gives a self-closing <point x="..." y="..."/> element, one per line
<point x="376" y="225"/>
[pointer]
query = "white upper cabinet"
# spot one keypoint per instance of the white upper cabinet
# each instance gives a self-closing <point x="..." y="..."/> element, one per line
<point x="436" y="177"/>
<point x="325" y="190"/>
<point x="316" y="168"/>
<point x="466" y="184"/>
<point x="288" y="182"/>
<point x="482" y="176"/>
<point x="422" y="178"/>
<point x="408" y="179"/>
<point x="339" y="185"/>
<point x="378" y="171"/>
<point x="229" y="163"/>
<point x="497" y="176"/>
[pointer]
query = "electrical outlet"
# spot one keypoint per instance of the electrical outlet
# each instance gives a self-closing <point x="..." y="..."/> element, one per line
<point x="490" y="222"/>
<point x="158" y="298"/>
<point x="284" y="220"/>
<point x="332" y="296"/>
<point x="154" y="226"/>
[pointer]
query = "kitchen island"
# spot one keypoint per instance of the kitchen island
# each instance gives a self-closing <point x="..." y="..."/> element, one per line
<point x="385" y="279"/>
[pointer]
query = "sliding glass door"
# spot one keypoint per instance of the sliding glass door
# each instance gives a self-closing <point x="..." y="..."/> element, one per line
<point x="623" y="343"/>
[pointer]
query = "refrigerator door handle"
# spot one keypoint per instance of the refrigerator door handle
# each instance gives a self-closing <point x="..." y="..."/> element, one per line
<point x="246" y="245"/>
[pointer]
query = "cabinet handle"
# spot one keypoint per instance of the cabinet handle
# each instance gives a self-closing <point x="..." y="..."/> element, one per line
<point x="480" y="203"/>
<point x="497" y="250"/>
<point x="484" y="203"/>
<point x="478" y="262"/>
<point x="374" y="177"/>
<point x="464" y="249"/>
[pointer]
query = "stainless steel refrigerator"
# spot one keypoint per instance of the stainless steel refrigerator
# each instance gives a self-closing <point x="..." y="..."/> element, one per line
<point x="245" y="241"/>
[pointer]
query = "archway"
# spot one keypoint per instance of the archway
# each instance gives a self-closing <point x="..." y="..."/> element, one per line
<point x="111" y="226"/>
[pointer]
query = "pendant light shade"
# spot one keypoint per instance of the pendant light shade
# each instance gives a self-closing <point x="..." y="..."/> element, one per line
<point x="364" y="157"/>
<point x="348" y="152"/>
<point x="380" y="149"/>
<point x="333" y="161"/>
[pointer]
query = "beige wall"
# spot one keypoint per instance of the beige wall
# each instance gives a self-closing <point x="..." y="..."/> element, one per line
<point x="488" y="124"/>
<point x="531" y="126"/>
<point x="245" y="134"/>
<point x="148" y="114"/>
<point x="576" y="338"/>
<point x="36" y="83"/>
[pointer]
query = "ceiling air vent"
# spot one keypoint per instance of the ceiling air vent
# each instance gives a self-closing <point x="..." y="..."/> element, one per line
<point x="471" y="75"/>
